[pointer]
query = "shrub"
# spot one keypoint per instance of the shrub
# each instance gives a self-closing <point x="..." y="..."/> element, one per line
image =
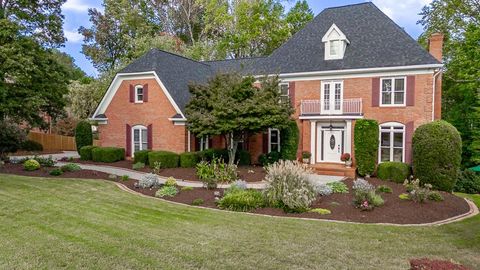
<point x="366" y="145"/>
<point x="288" y="186"/>
<point x="216" y="171"/>
<point x="148" y="180"/>
<point x="270" y="158"/>
<point x="112" y="177"/>
<point x="210" y="154"/>
<point x="416" y="192"/>
<point x="435" y="196"/>
<point x="189" y="159"/>
<point x="108" y="154"/>
<point x="45" y="161"/>
<point x="468" y="182"/>
<point x="141" y="156"/>
<point x="71" y="167"/>
<point x="125" y="177"/>
<point x="11" y="138"/>
<point x="437" y="153"/>
<point x="33" y="146"/>
<point x="170" y="182"/>
<point x="166" y="158"/>
<point x="427" y="264"/>
<point x="404" y="196"/>
<point x="56" y="172"/>
<point x="320" y="211"/>
<point x="367" y="199"/>
<point x="242" y="200"/>
<point x="138" y="166"/>
<point x="242" y="157"/>
<point x="197" y="202"/>
<point x="166" y="191"/>
<point x="323" y="190"/>
<point x="289" y="137"/>
<point x="338" y="187"/>
<point x="86" y="152"/>
<point x="31" y="165"/>
<point x="306" y="154"/>
<point x="394" y="171"/>
<point x="384" y="189"/>
<point x="186" y="188"/>
<point x="239" y="184"/>
<point x="156" y="167"/>
<point x="83" y="134"/>
<point x="361" y="184"/>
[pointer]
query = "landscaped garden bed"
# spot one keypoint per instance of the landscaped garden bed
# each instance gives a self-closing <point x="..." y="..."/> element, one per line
<point x="18" y="169"/>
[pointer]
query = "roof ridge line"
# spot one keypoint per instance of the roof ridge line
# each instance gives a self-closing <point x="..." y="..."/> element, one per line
<point x="236" y="59"/>
<point x="349" y="5"/>
<point x="181" y="56"/>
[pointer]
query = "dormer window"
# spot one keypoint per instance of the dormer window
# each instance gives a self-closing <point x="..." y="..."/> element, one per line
<point x="335" y="43"/>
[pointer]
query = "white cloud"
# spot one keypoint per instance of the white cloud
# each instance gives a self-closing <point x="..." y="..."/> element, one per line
<point x="402" y="10"/>
<point x="76" y="5"/>
<point x="73" y="36"/>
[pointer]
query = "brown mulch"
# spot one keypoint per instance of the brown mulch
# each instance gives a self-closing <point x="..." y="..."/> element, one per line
<point x="246" y="173"/>
<point x="30" y="153"/>
<point x="428" y="264"/>
<point x="45" y="172"/>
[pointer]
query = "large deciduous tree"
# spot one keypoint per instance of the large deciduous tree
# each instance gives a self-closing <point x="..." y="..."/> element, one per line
<point x="459" y="20"/>
<point x="232" y="106"/>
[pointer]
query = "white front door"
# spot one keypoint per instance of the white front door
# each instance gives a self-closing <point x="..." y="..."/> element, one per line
<point x="332" y="97"/>
<point x="332" y="145"/>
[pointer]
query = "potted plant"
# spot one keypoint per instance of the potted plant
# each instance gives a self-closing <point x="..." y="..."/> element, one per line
<point x="306" y="157"/>
<point x="347" y="159"/>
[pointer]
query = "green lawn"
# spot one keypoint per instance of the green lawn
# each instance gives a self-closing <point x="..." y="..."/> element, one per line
<point x="61" y="223"/>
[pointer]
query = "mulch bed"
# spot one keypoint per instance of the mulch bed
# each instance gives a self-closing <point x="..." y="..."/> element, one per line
<point x="246" y="173"/>
<point x="45" y="172"/>
<point x="394" y="210"/>
<point x="30" y="153"/>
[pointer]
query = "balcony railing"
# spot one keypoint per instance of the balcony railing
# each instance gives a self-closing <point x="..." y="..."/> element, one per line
<point x="338" y="107"/>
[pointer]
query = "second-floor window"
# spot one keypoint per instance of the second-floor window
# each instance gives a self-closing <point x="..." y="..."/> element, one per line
<point x="138" y="94"/>
<point x="393" y="91"/>
<point x="284" y="92"/>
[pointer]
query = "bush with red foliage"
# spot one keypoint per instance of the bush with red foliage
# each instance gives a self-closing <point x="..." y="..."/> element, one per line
<point x="427" y="264"/>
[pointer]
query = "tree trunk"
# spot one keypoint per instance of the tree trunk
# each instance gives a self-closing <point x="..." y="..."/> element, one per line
<point x="232" y="144"/>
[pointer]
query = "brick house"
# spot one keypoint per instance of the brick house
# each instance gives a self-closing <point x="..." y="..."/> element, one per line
<point x="348" y="63"/>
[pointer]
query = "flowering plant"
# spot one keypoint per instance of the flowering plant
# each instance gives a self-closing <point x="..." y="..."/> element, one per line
<point x="345" y="157"/>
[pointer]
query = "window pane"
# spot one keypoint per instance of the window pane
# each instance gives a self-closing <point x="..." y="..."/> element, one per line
<point x="274" y="148"/>
<point x="284" y="89"/>
<point x="385" y="154"/>
<point x="144" y="146"/>
<point x="338" y="93"/>
<point x="139" y="91"/>
<point x="144" y="136"/>
<point x="136" y="147"/>
<point x="334" y="47"/>
<point x="386" y="91"/>
<point x="274" y="136"/>
<point x="136" y="135"/>
<point x="326" y="97"/>
<point x="398" y="139"/>
<point x="397" y="154"/>
<point x="399" y="97"/>
<point x="386" y="98"/>
<point x="400" y="85"/>
<point x="385" y="139"/>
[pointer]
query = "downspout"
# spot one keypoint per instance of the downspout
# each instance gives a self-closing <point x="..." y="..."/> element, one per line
<point x="438" y="72"/>
<point x="189" y="149"/>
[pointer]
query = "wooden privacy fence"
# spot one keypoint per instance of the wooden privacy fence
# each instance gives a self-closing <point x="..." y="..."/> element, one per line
<point x="55" y="142"/>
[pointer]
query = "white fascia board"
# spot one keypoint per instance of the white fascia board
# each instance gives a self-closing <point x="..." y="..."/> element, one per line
<point x="328" y="117"/>
<point x="120" y="77"/>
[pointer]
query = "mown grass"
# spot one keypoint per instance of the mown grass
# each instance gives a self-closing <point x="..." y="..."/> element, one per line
<point x="91" y="224"/>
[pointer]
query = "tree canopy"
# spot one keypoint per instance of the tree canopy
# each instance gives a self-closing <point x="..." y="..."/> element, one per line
<point x="232" y="106"/>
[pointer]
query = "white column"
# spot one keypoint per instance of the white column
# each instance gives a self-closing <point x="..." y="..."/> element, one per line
<point x="189" y="147"/>
<point x="313" y="131"/>
<point x="348" y="137"/>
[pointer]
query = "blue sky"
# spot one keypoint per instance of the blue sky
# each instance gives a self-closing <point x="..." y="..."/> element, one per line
<point x="403" y="12"/>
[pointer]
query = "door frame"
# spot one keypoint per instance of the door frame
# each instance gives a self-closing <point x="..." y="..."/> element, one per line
<point x="331" y="84"/>
<point x="139" y="128"/>
<point x="320" y="147"/>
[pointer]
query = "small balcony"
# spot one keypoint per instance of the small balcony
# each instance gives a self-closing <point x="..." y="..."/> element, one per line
<point x="351" y="106"/>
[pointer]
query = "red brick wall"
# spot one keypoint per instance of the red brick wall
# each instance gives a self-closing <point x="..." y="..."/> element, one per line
<point x="120" y="112"/>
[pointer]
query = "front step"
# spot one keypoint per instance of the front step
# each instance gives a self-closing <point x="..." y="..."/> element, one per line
<point x="333" y="169"/>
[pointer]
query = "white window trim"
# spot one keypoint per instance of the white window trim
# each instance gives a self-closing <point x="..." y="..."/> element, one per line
<point x="390" y="125"/>
<point x="280" y="90"/>
<point x="204" y="143"/>
<point x="270" y="139"/>
<point x="140" y="128"/>
<point x="136" y="93"/>
<point x="332" y="90"/>
<point x="326" y="39"/>
<point x="392" y="104"/>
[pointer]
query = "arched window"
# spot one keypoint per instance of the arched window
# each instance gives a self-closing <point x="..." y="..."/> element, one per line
<point x="139" y="138"/>
<point x="139" y="94"/>
<point x="392" y="142"/>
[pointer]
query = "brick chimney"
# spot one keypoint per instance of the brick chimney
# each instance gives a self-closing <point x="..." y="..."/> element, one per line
<point x="435" y="45"/>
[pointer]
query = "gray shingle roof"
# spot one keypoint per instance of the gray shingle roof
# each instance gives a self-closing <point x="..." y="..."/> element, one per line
<point x="375" y="41"/>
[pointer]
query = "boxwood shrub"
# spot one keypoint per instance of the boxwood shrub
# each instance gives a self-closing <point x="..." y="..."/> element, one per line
<point x="108" y="154"/>
<point x="366" y="145"/>
<point x="437" y="153"/>
<point x="289" y="141"/>
<point x="33" y="146"/>
<point x="83" y="134"/>
<point x="393" y="171"/>
<point x="86" y="152"/>
<point x="167" y="159"/>
<point x="242" y="157"/>
<point x="189" y="159"/>
<point x="141" y="156"/>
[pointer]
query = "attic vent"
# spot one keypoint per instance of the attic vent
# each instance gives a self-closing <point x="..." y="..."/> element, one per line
<point x="335" y="43"/>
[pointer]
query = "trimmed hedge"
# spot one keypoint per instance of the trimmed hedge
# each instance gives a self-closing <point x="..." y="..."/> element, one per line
<point x="189" y="159"/>
<point x="242" y="157"/>
<point x="141" y="156"/>
<point x="468" y="182"/>
<point x="30" y="145"/>
<point x="108" y="154"/>
<point x="289" y="137"/>
<point x="86" y="152"/>
<point x="167" y="159"/>
<point x="437" y="153"/>
<point x="83" y="134"/>
<point x="366" y="145"/>
<point x="270" y="158"/>
<point x="393" y="171"/>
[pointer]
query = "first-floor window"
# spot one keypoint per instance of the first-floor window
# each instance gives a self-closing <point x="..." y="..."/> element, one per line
<point x="273" y="140"/>
<point x="139" y="138"/>
<point x="392" y="142"/>
<point x="203" y="143"/>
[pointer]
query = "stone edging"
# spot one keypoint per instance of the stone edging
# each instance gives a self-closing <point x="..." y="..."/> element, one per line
<point x="472" y="212"/>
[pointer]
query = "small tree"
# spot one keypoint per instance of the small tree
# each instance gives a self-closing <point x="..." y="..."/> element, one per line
<point x="11" y="138"/>
<point x="437" y="153"/>
<point x="83" y="134"/>
<point x="366" y="145"/>
<point x="230" y="105"/>
<point x="289" y="141"/>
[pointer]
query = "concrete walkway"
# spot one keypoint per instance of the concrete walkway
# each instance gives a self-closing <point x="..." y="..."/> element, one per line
<point x="68" y="154"/>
